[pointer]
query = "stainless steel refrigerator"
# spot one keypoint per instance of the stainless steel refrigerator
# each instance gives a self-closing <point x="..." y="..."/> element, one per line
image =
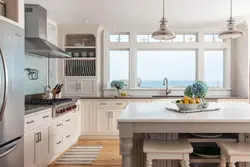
<point x="11" y="95"/>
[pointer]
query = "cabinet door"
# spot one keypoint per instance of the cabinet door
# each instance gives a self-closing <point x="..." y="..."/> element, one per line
<point x="43" y="145"/>
<point x="72" y="86"/>
<point x="30" y="139"/>
<point x="88" y="87"/>
<point x="86" y="116"/>
<point x="115" y="116"/>
<point x="104" y="121"/>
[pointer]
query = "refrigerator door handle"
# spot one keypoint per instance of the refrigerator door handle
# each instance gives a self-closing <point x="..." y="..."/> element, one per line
<point x="9" y="150"/>
<point x="5" y="83"/>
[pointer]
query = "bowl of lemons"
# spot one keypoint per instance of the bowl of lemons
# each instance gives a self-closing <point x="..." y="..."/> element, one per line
<point x="188" y="103"/>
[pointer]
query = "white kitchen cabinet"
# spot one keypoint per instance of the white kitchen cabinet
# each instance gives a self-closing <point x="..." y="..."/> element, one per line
<point x="104" y="121"/>
<point x="86" y="116"/>
<point x="74" y="86"/>
<point x="51" y="32"/>
<point x="107" y="121"/>
<point x="43" y="146"/>
<point x="36" y="139"/>
<point x="36" y="147"/>
<point x="30" y="150"/>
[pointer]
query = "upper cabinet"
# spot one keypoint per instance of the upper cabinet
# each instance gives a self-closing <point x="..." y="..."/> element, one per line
<point x="81" y="73"/>
<point x="52" y="32"/>
<point x="12" y="11"/>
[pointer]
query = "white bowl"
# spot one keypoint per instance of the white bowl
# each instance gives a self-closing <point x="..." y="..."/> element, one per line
<point x="187" y="106"/>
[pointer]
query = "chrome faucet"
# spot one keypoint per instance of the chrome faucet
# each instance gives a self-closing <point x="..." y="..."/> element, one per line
<point x="165" y="82"/>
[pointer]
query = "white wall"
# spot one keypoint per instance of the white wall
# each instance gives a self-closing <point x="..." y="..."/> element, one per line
<point x="240" y="64"/>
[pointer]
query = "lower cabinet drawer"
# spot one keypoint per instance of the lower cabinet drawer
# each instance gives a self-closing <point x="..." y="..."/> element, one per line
<point x="58" y="126"/>
<point x="103" y="104"/>
<point x="31" y="122"/>
<point x="58" y="143"/>
<point x="67" y="139"/>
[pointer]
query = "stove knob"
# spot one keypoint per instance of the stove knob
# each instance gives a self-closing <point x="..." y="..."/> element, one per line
<point x="68" y="108"/>
<point x="58" y="111"/>
<point x="75" y="106"/>
<point x="64" y="110"/>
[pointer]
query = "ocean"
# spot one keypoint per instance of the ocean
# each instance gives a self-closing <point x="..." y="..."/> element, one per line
<point x="173" y="83"/>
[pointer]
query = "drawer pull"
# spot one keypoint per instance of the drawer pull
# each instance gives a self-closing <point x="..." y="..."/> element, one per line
<point x="103" y="103"/>
<point x="68" y="136"/>
<point x="46" y="116"/>
<point x="59" y="142"/>
<point x="30" y="122"/>
<point x="58" y="125"/>
<point x="67" y="120"/>
<point x="118" y="103"/>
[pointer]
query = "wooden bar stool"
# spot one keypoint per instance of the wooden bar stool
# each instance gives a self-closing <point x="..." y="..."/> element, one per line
<point x="234" y="152"/>
<point x="167" y="150"/>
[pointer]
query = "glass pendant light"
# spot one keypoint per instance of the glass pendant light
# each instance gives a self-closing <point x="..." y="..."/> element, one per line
<point x="163" y="33"/>
<point x="231" y="32"/>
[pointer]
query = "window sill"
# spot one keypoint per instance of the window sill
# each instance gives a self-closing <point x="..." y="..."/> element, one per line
<point x="163" y="89"/>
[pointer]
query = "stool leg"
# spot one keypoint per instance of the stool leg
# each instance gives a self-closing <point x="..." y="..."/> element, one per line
<point x="149" y="163"/>
<point x="222" y="161"/>
<point x="186" y="163"/>
<point x="231" y="164"/>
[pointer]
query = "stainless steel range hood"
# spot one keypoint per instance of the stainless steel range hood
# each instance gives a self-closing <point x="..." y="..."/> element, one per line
<point x="36" y="33"/>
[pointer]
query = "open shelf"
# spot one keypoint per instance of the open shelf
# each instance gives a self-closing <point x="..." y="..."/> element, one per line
<point x="193" y="139"/>
<point x="79" y="47"/>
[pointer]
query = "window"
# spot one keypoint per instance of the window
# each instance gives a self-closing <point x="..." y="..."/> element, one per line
<point x="179" y="38"/>
<point x="144" y="38"/>
<point x="154" y="66"/>
<point x="119" y="38"/>
<point x="119" y="65"/>
<point x="190" y="38"/>
<point x="214" y="61"/>
<point x="212" y="38"/>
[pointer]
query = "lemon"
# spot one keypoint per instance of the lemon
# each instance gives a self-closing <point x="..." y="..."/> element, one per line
<point x="192" y="101"/>
<point x="186" y="102"/>
<point x="197" y="101"/>
<point x="181" y="102"/>
<point x="186" y="98"/>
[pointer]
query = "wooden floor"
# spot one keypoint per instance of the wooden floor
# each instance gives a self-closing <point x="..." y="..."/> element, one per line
<point x="108" y="157"/>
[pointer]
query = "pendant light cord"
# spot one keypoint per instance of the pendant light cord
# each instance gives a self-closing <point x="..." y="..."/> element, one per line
<point x="231" y="9"/>
<point x="163" y="8"/>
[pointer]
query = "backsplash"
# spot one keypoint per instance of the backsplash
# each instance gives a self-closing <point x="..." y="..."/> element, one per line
<point x="40" y="64"/>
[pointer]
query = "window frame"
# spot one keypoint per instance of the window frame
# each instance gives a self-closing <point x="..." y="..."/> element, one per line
<point x="200" y="46"/>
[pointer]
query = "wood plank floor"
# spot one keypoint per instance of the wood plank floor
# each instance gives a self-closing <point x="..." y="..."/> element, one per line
<point x="108" y="157"/>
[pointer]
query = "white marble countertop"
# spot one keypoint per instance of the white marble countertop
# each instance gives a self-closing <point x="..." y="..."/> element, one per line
<point x="156" y="112"/>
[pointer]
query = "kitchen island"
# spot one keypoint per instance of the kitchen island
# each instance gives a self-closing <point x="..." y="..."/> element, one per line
<point x="138" y="122"/>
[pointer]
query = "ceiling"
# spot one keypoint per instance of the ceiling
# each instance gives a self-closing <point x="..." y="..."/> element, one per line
<point x="134" y="13"/>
